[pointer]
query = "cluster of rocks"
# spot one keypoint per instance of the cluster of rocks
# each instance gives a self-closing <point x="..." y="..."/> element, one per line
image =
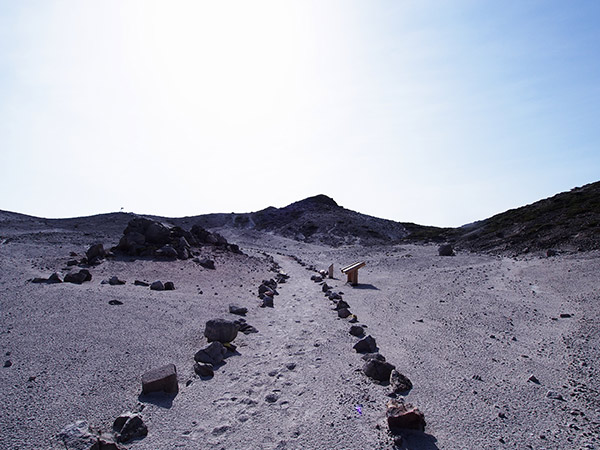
<point x="149" y="238"/>
<point x="79" y="277"/>
<point x="266" y="292"/>
<point x="127" y="427"/>
<point x="220" y="334"/>
<point x="400" y="415"/>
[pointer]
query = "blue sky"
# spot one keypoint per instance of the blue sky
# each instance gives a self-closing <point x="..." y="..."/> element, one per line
<point x="433" y="112"/>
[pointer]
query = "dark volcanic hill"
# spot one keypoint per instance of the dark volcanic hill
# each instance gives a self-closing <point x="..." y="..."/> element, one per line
<point x="569" y="221"/>
<point x="315" y="219"/>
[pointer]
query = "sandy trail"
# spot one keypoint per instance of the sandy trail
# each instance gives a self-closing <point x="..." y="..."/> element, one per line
<point x="303" y="358"/>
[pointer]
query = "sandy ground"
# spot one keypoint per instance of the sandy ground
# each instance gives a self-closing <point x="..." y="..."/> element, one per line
<point x="467" y="330"/>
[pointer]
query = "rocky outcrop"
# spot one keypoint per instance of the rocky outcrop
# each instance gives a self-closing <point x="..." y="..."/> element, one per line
<point x="150" y="238"/>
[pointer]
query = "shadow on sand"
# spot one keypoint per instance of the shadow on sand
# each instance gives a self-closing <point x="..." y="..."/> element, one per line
<point x="160" y="399"/>
<point x="364" y="286"/>
<point x="415" y="440"/>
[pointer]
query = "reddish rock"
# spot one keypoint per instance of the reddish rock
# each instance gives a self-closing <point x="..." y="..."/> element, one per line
<point x="160" y="379"/>
<point x="404" y="416"/>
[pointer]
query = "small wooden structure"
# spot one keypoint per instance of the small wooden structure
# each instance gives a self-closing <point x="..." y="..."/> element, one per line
<point x="352" y="272"/>
<point x="330" y="271"/>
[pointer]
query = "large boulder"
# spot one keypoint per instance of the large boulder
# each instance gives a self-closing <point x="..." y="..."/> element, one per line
<point x="160" y="379"/>
<point x="404" y="416"/>
<point x="213" y="354"/>
<point x="378" y="370"/>
<point x="220" y="330"/>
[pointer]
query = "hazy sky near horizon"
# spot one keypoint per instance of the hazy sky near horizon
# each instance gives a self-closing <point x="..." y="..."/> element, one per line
<point x="434" y="112"/>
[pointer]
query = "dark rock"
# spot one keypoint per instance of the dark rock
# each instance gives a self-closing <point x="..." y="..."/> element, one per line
<point x="167" y="252"/>
<point x="78" y="436"/>
<point x="533" y="379"/>
<point x="220" y="330"/>
<point x="334" y="296"/>
<point x="366" y="345"/>
<point x="169" y="286"/>
<point x="157" y="286"/>
<point x="157" y="233"/>
<point x="238" y="310"/>
<point x="204" y="370"/>
<point x="316" y="278"/>
<point x="72" y="262"/>
<point x="39" y="280"/>
<point x="343" y="313"/>
<point x="357" y="330"/>
<point x="115" y="302"/>
<point x="404" y="416"/>
<point x="78" y="277"/>
<point x="205" y="262"/>
<point x="114" y="281"/>
<point x="446" y="250"/>
<point x="244" y="327"/>
<point x="54" y="278"/>
<point x="370" y="356"/>
<point x="341" y="304"/>
<point x="271" y="398"/>
<point x="353" y="318"/>
<point x="267" y="302"/>
<point x="565" y="315"/>
<point x="235" y="249"/>
<point x="290" y="366"/>
<point x="551" y="252"/>
<point x="325" y="287"/>
<point x="95" y="253"/>
<point x="213" y="354"/>
<point x="399" y="382"/>
<point x="131" y="242"/>
<point x="162" y="378"/>
<point x="141" y="283"/>
<point x="555" y="395"/>
<point x="129" y="426"/>
<point x="378" y="370"/>
<point x="7" y="363"/>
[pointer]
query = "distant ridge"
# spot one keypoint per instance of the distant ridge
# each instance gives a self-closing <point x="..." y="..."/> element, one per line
<point x="568" y="221"/>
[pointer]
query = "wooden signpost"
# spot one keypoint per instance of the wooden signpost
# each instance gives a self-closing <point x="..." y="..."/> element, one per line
<point x="352" y="272"/>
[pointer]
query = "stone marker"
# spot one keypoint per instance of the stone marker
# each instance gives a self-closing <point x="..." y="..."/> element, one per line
<point x="366" y="345"/>
<point x="129" y="426"/>
<point x="220" y="330"/>
<point x="343" y="313"/>
<point x="399" y="382"/>
<point x="378" y="370"/>
<point x="162" y="378"/>
<point x="204" y="370"/>
<point x="404" y="416"/>
<point x="357" y="330"/>
<point x="211" y="354"/>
